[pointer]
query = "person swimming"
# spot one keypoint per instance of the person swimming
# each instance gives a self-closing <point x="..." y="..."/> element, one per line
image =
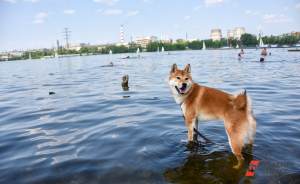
<point x="242" y="51"/>
<point x="239" y="56"/>
<point x="263" y="54"/>
<point x="111" y="64"/>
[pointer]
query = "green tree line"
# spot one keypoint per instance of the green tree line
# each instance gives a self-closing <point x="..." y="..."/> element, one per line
<point x="246" y="40"/>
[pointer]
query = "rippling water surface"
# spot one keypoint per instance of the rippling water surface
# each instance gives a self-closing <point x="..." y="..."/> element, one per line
<point x="91" y="131"/>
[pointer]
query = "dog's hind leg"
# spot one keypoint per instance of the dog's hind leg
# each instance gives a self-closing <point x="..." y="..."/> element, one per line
<point x="251" y="122"/>
<point x="236" y="142"/>
<point x="252" y="129"/>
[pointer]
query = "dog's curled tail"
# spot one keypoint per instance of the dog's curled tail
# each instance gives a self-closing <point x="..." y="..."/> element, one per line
<point x="240" y="101"/>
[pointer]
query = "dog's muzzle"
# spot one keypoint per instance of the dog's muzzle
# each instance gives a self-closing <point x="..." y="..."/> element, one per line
<point x="182" y="89"/>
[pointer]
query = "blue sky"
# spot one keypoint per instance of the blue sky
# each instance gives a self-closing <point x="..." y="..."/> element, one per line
<point x="39" y="23"/>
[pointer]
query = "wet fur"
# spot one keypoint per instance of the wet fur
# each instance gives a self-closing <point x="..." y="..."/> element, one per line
<point x="205" y="103"/>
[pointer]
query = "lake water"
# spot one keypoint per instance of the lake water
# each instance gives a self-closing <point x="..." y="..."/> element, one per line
<point x="91" y="131"/>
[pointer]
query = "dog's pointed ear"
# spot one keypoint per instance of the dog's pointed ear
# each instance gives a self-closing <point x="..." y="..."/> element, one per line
<point x="174" y="68"/>
<point x="187" y="68"/>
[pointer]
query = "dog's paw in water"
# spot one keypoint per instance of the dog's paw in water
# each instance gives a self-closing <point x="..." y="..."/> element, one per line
<point x="239" y="164"/>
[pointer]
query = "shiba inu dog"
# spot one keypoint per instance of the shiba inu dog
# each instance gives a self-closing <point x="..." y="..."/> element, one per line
<point x="204" y="103"/>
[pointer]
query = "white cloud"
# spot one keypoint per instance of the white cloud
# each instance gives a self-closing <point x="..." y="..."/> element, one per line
<point x="38" y="21"/>
<point x="40" y="17"/>
<point x="69" y="12"/>
<point x="107" y="2"/>
<point x="112" y="12"/>
<point x="196" y="8"/>
<point x="187" y="17"/>
<point x="32" y="1"/>
<point x="9" y="1"/>
<point x="212" y="2"/>
<point x="132" y="13"/>
<point x="274" y="18"/>
<point x="250" y="12"/>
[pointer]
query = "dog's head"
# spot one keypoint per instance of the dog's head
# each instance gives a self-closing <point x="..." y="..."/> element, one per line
<point x="180" y="81"/>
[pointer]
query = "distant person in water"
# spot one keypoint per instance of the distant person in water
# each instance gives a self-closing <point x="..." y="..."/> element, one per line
<point x="111" y="64"/>
<point x="242" y="51"/>
<point x="264" y="52"/>
<point x="239" y="56"/>
<point x="127" y="57"/>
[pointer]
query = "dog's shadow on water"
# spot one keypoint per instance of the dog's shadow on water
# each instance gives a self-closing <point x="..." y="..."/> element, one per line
<point x="204" y="166"/>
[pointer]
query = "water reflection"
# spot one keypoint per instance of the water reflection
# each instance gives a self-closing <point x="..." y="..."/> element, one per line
<point x="202" y="167"/>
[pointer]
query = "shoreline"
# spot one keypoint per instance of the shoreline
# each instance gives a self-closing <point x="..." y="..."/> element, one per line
<point x="290" y="49"/>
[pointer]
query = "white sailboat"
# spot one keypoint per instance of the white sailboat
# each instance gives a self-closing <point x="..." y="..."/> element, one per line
<point x="162" y="49"/>
<point x="261" y="43"/>
<point x="138" y="52"/>
<point x="203" y="46"/>
<point x="56" y="54"/>
<point x="110" y="52"/>
<point x="237" y="46"/>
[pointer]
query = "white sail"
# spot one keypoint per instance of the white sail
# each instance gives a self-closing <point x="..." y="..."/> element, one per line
<point x="237" y="46"/>
<point x="110" y="51"/>
<point x="138" y="50"/>
<point x="203" y="46"/>
<point x="56" y="54"/>
<point x="162" y="49"/>
<point x="261" y="43"/>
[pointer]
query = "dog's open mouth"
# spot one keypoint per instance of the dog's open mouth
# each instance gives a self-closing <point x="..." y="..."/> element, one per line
<point x="181" y="90"/>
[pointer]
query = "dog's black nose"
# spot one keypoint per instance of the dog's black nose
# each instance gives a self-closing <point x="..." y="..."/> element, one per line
<point x="184" y="85"/>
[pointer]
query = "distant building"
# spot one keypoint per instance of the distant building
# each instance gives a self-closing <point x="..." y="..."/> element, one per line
<point x="230" y="34"/>
<point x="5" y="56"/>
<point x="144" y="41"/>
<point x="238" y="32"/>
<point x="295" y="33"/>
<point x="216" y="34"/>
<point x="180" y="40"/>
<point x="77" y="46"/>
<point x="166" y="41"/>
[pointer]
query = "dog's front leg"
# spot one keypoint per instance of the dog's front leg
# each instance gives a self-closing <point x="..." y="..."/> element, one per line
<point x="189" y="122"/>
<point x="195" y="126"/>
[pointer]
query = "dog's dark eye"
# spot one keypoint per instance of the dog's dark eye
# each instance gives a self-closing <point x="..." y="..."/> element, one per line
<point x="178" y="78"/>
<point x="186" y="78"/>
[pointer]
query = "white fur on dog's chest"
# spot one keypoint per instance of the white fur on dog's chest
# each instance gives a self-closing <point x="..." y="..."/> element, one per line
<point x="183" y="108"/>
